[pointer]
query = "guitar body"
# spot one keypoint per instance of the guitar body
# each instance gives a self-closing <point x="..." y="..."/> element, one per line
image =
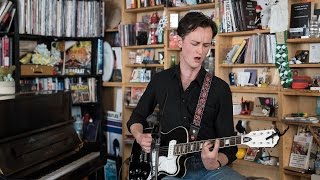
<point x="140" y="164"/>
<point x="173" y="153"/>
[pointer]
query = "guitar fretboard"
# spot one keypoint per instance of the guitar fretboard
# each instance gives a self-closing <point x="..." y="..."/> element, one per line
<point x="196" y="146"/>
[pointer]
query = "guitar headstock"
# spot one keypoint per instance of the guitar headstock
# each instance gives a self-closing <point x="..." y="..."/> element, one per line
<point x="262" y="138"/>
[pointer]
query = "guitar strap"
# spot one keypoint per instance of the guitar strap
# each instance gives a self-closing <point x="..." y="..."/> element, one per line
<point x="195" y="126"/>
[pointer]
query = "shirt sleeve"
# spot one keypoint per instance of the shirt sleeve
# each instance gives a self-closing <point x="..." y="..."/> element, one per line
<point x="224" y="123"/>
<point x="145" y="106"/>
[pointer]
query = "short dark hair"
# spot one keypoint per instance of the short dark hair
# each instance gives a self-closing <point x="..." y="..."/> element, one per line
<point x="193" y="20"/>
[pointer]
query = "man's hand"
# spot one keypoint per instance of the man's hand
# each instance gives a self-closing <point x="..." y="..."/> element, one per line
<point x="210" y="158"/>
<point x="145" y="141"/>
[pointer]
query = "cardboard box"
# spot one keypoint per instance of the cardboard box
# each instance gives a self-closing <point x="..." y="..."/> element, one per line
<point x="36" y="70"/>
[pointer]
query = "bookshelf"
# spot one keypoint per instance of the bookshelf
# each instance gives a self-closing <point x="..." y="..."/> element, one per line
<point x="224" y="43"/>
<point x="30" y="31"/>
<point x="289" y="100"/>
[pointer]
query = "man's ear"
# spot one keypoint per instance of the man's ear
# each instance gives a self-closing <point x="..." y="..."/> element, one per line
<point x="180" y="41"/>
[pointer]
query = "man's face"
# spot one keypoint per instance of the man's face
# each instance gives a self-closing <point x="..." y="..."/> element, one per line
<point x="195" y="46"/>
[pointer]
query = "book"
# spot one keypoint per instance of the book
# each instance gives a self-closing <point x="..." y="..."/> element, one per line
<point x="77" y="58"/>
<point x="253" y="75"/>
<point x="299" y="18"/>
<point x="248" y="14"/>
<point x="80" y="93"/>
<point x="110" y="170"/>
<point x="300" y="151"/>
<point x="136" y="93"/>
<point x="263" y="106"/>
<point x="237" y="53"/>
<point x="314" y="53"/>
<point x="59" y="47"/>
<point x="113" y="133"/>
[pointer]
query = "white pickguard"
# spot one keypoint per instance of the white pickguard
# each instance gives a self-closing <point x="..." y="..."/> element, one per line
<point x="168" y="165"/>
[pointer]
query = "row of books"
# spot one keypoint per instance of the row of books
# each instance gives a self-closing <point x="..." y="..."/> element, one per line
<point x="68" y="18"/>
<point x="127" y="34"/>
<point x="7" y="12"/>
<point x="258" y="49"/>
<point x="83" y="90"/>
<point x="131" y="4"/>
<point x="237" y="15"/>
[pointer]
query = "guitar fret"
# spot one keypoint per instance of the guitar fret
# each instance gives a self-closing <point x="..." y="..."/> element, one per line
<point x="238" y="139"/>
<point x="232" y="141"/>
<point x="222" y="143"/>
<point x="197" y="146"/>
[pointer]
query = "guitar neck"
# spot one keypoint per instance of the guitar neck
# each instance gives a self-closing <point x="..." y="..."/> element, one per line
<point x="196" y="146"/>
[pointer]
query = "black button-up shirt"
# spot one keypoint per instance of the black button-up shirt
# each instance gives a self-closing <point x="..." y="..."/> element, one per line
<point x="179" y="108"/>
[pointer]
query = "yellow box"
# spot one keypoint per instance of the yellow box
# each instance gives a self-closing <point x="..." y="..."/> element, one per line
<point x="36" y="70"/>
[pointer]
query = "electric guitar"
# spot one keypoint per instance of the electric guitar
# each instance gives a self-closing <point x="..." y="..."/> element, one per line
<point x="173" y="152"/>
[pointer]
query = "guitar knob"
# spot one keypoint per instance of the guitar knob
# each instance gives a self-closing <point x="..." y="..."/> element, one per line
<point x="144" y="173"/>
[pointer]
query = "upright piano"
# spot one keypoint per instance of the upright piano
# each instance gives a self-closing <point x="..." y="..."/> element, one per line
<point x="38" y="139"/>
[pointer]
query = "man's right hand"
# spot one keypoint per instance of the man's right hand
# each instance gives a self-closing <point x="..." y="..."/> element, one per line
<point x="145" y="141"/>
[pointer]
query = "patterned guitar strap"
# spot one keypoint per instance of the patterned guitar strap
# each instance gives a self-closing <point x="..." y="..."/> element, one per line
<point x="282" y="60"/>
<point x="195" y="126"/>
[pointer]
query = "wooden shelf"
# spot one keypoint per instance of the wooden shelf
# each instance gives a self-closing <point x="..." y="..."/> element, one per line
<point x="257" y="118"/>
<point x="144" y="65"/>
<point x="301" y="123"/>
<point x="297" y="174"/>
<point x="304" y="65"/>
<point x="261" y="90"/>
<point x="254" y="165"/>
<point x="129" y="107"/>
<point x="245" y="65"/>
<point x="145" y="9"/>
<point x="135" y="85"/>
<point x="304" y="40"/>
<point x="112" y="84"/>
<point x="192" y="7"/>
<point x="300" y="92"/>
<point x="145" y="46"/>
<point x="244" y="33"/>
<point x="174" y="49"/>
<point x="111" y="30"/>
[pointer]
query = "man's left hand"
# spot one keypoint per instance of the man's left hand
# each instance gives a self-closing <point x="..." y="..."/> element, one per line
<point x="210" y="158"/>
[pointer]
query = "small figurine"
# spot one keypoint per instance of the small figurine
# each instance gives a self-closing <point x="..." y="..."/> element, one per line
<point x="257" y="21"/>
<point x="241" y="127"/>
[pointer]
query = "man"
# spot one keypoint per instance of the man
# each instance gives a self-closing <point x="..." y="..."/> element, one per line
<point x="177" y="91"/>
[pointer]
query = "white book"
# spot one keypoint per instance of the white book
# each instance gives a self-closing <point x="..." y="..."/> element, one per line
<point x="3" y="6"/>
<point x="21" y="13"/>
<point x="9" y="4"/>
<point x="314" y="53"/>
<point x="300" y="151"/>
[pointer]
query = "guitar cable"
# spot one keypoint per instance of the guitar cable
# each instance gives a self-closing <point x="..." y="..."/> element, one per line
<point x="120" y="170"/>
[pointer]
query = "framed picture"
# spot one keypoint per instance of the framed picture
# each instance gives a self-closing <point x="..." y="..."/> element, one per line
<point x="252" y="154"/>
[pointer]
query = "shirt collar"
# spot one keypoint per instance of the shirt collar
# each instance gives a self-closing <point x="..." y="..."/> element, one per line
<point x="199" y="79"/>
